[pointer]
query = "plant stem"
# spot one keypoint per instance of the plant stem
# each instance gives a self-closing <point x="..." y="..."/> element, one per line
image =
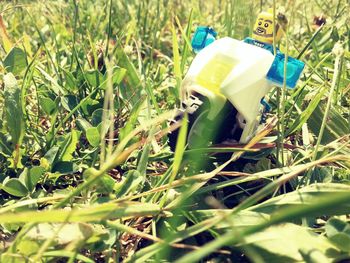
<point x="329" y="101"/>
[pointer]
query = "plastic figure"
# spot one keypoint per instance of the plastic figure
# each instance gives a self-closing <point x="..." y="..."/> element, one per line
<point x="223" y="91"/>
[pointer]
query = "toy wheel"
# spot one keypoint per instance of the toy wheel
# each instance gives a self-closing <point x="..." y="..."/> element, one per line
<point x="203" y="132"/>
<point x="193" y="119"/>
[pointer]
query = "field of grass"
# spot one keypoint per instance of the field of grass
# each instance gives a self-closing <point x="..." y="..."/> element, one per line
<point x="86" y="174"/>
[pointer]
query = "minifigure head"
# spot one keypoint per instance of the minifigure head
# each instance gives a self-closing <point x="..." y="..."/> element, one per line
<point x="263" y="28"/>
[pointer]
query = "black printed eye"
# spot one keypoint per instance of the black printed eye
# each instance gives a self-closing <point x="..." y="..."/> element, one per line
<point x="259" y="23"/>
<point x="266" y="25"/>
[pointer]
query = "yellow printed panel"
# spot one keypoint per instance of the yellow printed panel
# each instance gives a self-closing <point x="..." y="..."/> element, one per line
<point x="215" y="72"/>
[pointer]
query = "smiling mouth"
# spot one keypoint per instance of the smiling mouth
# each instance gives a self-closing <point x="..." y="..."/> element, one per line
<point x="261" y="31"/>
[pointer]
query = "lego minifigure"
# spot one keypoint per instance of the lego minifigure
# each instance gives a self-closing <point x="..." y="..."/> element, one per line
<point x="223" y="91"/>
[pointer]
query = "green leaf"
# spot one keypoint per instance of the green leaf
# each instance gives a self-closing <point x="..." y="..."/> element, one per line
<point x="130" y="184"/>
<point x="94" y="77"/>
<point x="91" y="213"/>
<point x="176" y="55"/>
<point x="323" y="205"/>
<point x="33" y="176"/>
<point x="338" y="233"/>
<point x="284" y="243"/>
<point x="93" y="136"/>
<point x="131" y="122"/>
<point x="69" y="102"/>
<point x="56" y="88"/>
<point x="69" y="145"/>
<point x="105" y="184"/>
<point x="90" y="105"/>
<point x="132" y="91"/>
<point x="13" y="109"/>
<point x="143" y="160"/>
<point x="97" y="116"/>
<point x="118" y="75"/>
<point x="14" y="187"/>
<point x="15" y="61"/>
<point x="51" y="155"/>
<point x="241" y="220"/>
<point x="71" y="82"/>
<point x="180" y="146"/>
<point x="5" y="145"/>
<point x="27" y="248"/>
<point x="336" y="126"/>
<point x="48" y="105"/>
<point x="83" y="124"/>
<point x="305" y="115"/>
<point x="65" y="168"/>
<point x="305" y="197"/>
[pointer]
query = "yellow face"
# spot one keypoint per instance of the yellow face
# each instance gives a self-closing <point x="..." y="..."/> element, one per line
<point x="263" y="28"/>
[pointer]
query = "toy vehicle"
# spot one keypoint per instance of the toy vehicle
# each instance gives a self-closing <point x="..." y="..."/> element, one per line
<point x="223" y="91"/>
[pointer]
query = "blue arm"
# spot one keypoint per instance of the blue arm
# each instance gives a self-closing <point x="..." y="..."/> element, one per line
<point x="203" y="37"/>
<point x="294" y="69"/>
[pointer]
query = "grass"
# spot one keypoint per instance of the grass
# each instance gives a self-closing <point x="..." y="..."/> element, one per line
<point x="86" y="173"/>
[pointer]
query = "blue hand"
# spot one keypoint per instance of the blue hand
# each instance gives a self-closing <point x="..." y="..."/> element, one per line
<point x="203" y="37"/>
<point x="294" y="69"/>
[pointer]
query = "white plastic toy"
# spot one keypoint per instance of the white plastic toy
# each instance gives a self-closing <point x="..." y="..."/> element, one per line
<point x="231" y="77"/>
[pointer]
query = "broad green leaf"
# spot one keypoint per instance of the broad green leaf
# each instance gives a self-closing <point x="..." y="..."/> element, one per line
<point x="83" y="124"/>
<point x="51" y="155"/>
<point x="324" y="204"/>
<point x="13" y="109"/>
<point x="103" y="127"/>
<point x="69" y="102"/>
<point x="14" y="187"/>
<point x="118" y="75"/>
<point x="15" y="61"/>
<point x="69" y="145"/>
<point x="284" y="243"/>
<point x="89" y="106"/>
<point x="338" y="233"/>
<point x="336" y="125"/>
<point x="94" y="77"/>
<point x="33" y="176"/>
<point x="48" y="105"/>
<point x="97" y="116"/>
<point x="65" y="167"/>
<point x="105" y="184"/>
<point x="305" y="197"/>
<point x="93" y="136"/>
<point x="27" y="248"/>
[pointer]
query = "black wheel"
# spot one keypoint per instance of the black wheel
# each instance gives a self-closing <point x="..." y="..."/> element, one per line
<point x="203" y="132"/>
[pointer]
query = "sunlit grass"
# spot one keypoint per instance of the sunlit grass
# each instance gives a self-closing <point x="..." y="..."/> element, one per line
<point x="84" y="151"/>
